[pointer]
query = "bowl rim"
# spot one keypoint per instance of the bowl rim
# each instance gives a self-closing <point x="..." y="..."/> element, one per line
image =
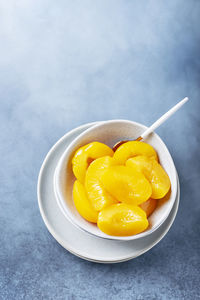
<point x="61" y="201"/>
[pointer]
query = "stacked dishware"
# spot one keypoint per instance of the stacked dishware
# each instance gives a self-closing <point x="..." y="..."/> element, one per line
<point x="59" y="213"/>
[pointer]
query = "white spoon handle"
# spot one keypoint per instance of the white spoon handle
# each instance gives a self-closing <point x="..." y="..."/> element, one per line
<point x="164" y="117"/>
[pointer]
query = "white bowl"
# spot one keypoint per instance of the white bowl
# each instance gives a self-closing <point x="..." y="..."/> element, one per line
<point x="109" y="132"/>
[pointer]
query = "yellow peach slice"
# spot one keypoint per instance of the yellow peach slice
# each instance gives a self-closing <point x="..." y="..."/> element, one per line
<point x="126" y="185"/>
<point x="131" y="149"/>
<point x="149" y="206"/>
<point x="122" y="220"/>
<point x="82" y="203"/>
<point x="154" y="172"/>
<point x="85" y="155"/>
<point x="96" y="192"/>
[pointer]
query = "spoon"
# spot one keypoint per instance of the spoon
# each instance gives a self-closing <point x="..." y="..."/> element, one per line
<point x="156" y="124"/>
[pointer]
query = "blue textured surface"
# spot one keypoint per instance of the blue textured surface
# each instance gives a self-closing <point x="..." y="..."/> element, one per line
<point x="65" y="63"/>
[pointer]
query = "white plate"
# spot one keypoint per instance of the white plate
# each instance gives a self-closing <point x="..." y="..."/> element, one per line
<point x="72" y="238"/>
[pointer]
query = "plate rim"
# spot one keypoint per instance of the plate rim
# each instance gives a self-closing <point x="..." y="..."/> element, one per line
<point x="56" y="236"/>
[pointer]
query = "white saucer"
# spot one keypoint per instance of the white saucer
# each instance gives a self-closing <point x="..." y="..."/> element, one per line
<point x="74" y="239"/>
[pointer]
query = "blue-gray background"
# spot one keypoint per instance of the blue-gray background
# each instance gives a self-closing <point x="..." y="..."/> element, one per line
<point x="65" y="63"/>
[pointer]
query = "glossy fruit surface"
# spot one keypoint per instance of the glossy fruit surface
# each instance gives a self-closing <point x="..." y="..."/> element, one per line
<point x="118" y="191"/>
<point x="154" y="172"/>
<point x="149" y="206"/>
<point x="122" y="220"/>
<point x="126" y="185"/>
<point x="133" y="148"/>
<point x="82" y="203"/>
<point x="85" y="155"/>
<point x="98" y="196"/>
